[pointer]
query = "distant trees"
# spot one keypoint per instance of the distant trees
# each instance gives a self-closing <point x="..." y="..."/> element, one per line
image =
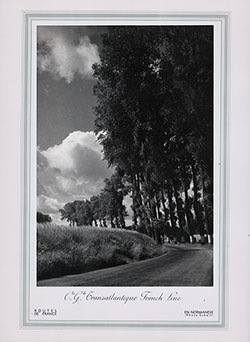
<point x="77" y="213"/>
<point x="108" y="206"/>
<point x="154" y="119"/>
<point x="42" y="218"/>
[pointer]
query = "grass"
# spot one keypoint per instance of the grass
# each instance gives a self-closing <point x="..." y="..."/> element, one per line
<point x="69" y="250"/>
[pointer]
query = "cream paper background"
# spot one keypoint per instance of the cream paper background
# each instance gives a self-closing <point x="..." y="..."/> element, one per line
<point x="10" y="174"/>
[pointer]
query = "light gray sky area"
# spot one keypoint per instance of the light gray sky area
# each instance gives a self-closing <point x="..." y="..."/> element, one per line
<point x="70" y="161"/>
<point x="63" y="108"/>
<point x="65" y="82"/>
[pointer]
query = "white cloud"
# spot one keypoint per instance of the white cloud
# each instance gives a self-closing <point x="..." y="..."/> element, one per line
<point x="64" y="156"/>
<point x="75" y="169"/>
<point x="64" y="54"/>
<point x="48" y="205"/>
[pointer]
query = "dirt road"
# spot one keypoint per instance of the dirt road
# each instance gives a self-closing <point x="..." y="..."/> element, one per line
<point x="180" y="266"/>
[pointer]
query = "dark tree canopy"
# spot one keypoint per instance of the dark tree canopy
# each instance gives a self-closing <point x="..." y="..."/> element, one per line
<point x="43" y="218"/>
<point x="154" y="118"/>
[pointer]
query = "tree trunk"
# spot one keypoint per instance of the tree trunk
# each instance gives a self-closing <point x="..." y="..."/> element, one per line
<point x="157" y="204"/>
<point x="134" y="200"/>
<point x="171" y="209"/>
<point x="137" y="199"/>
<point x="112" y="222"/>
<point x="197" y="204"/>
<point x="163" y="201"/>
<point x="181" y="217"/>
<point x="207" y="204"/>
<point x="189" y="216"/>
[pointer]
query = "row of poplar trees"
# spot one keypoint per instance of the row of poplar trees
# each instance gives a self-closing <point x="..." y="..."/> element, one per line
<point x="100" y="210"/>
<point x="154" y="119"/>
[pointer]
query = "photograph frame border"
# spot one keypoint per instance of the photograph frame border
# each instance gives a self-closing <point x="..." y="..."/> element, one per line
<point x="28" y="18"/>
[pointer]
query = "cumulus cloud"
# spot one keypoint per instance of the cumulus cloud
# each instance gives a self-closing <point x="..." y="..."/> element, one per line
<point x="65" y="54"/>
<point x="75" y="169"/>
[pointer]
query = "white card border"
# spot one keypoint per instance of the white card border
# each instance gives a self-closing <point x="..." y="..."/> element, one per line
<point x="26" y="199"/>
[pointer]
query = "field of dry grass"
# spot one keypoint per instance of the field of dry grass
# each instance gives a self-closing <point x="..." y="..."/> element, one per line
<point x="69" y="250"/>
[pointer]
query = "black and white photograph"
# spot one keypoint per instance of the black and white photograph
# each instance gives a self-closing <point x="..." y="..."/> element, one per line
<point x="125" y="170"/>
<point x="125" y="155"/>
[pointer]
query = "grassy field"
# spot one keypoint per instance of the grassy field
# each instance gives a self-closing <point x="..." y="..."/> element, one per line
<point x="69" y="250"/>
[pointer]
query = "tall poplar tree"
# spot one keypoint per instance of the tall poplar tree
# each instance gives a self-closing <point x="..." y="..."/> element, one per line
<point x="154" y="118"/>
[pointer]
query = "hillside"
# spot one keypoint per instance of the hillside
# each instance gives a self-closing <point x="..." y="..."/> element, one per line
<point x="69" y="250"/>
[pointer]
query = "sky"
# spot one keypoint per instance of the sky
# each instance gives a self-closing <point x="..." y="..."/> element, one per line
<point x="70" y="162"/>
<point x="65" y="80"/>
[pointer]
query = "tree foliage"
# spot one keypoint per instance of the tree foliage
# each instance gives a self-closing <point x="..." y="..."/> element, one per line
<point x="107" y="206"/>
<point x="43" y="218"/>
<point x="154" y="119"/>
